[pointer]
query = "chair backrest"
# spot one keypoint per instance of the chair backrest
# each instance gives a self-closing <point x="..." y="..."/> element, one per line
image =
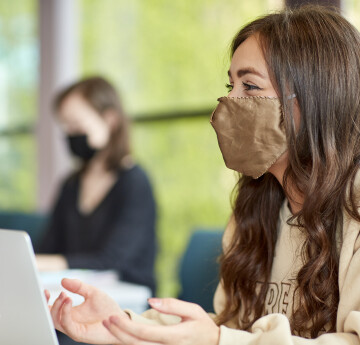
<point x="32" y="223"/>
<point x="199" y="269"/>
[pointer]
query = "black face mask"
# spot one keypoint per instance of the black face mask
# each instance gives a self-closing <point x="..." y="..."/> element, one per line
<point x="79" y="146"/>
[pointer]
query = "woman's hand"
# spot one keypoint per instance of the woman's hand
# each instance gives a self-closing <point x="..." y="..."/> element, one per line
<point x="83" y="323"/>
<point x="195" y="328"/>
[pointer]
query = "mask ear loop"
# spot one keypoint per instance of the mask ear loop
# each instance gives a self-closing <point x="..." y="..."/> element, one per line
<point x="291" y="96"/>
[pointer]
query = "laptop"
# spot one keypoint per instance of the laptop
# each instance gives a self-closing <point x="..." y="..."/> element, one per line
<point x="24" y="314"/>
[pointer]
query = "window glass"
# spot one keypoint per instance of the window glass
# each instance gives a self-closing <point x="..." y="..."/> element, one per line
<point x="191" y="182"/>
<point x="351" y="10"/>
<point x="17" y="172"/>
<point x="18" y="95"/>
<point x="168" y="57"/>
<point x="164" y="55"/>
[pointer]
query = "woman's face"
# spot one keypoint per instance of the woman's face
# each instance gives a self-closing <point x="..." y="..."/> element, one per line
<point x="248" y="76"/>
<point x="77" y="117"/>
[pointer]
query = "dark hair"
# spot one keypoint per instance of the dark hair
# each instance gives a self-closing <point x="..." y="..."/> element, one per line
<point x="102" y="96"/>
<point x="314" y="53"/>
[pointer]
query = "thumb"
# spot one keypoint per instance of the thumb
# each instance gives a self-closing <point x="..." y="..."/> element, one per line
<point x="173" y="306"/>
<point x="77" y="286"/>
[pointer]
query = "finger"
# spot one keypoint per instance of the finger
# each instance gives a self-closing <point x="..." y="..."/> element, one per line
<point x="173" y="306"/>
<point x="77" y="286"/>
<point x="66" y="321"/>
<point x="47" y="295"/>
<point x="55" y="310"/>
<point x="124" y="337"/>
<point x="150" y="333"/>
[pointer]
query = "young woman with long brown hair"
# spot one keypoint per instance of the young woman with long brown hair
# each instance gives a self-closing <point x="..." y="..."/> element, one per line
<point x="291" y="264"/>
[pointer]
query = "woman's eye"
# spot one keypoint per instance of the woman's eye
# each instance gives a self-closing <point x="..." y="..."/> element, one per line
<point x="229" y="87"/>
<point x="249" y="87"/>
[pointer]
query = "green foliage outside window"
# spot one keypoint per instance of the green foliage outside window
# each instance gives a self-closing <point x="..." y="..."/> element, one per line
<point x="351" y="10"/>
<point x="169" y="56"/>
<point x="192" y="186"/>
<point x="18" y="98"/>
<point x="164" y="56"/>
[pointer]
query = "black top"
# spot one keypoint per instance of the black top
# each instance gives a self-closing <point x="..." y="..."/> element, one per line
<point x="119" y="234"/>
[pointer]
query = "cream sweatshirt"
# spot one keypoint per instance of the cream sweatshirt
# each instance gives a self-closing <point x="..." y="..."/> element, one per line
<point x="274" y="328"/>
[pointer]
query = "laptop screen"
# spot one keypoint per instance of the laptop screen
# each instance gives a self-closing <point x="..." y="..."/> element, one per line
<point x="24" y="315"/>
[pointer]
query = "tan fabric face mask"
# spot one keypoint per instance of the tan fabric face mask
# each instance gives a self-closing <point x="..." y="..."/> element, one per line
<point x="250" y="133"/>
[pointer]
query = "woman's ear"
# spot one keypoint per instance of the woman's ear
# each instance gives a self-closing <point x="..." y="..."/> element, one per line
<point x="112" y="118"/>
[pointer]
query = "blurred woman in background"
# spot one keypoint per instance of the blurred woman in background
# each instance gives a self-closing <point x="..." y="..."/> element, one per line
<point x="104" y="216"/>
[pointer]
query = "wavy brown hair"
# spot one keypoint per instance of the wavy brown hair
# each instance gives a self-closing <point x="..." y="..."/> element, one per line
<point x="314" y="53"/>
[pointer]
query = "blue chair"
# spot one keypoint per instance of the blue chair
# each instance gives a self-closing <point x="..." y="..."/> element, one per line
<point x="32" y="223"/>
<point x="199" y="268"/>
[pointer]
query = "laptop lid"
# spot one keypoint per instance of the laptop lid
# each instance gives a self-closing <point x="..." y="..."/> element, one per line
<point x="24" y="315"/>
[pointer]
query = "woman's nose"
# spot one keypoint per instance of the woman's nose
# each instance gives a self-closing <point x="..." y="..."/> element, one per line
<point x="231" y="93"/>
<point x="234" y="93"/>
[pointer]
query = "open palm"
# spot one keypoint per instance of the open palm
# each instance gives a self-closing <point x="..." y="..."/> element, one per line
<point x="84" y="322"/>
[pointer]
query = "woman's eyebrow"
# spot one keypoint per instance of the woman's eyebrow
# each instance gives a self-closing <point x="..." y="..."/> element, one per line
<point x="247" y="70"/>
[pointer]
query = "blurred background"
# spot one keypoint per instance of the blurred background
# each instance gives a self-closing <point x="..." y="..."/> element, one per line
<point x="169" y="61"/>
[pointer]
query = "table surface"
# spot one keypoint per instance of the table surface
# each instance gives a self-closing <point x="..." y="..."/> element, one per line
<point x="127" y="295"/>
